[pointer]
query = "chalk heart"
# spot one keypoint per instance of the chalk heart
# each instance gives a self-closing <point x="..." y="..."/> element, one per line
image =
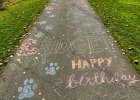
<point x="28" y="90"/>
<point x="52" y="69"/>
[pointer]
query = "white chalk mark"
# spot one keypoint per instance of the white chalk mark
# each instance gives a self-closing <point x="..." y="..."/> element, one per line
<point x="55" y="91"/>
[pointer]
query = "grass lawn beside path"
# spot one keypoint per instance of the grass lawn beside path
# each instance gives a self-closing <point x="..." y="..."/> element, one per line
<point x="122" y="18"/>
<point x="14" y="23"/>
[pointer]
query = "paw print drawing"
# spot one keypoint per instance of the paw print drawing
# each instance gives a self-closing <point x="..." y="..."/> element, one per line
<point x="28" y="90"/>
<point x="42" y="22"/>
<point x="49" y="27"/>
<point x="52" y="16"/>
<point x="52" y="69"/>
<point x="39" y="35"/>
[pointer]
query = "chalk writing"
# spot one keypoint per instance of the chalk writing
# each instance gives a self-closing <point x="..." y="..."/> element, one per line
<point x="82" y="64"/>
<point x="99" y="78"/>
<point x="52" y="69"/>
<point x="26" y="48"/>
<point x="27" y="90"/>
<point x="84" y="45"/>
<point x="52" y="46"/>
<point x="118" y="95"/>
<point x="92" y="45"/>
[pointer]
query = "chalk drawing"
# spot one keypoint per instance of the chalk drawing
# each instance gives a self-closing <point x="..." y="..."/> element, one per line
<point x="53" y="4"/>
<point x="48" y="12"/>
<point x="52" y="16"/>
<point x="49" y="8"/>
<point x="104" y="94"/>
<point x="94" y="44"/>
<point x="15" y="67"/>
<point x="28" y="90"/>
<point x="82" y="64"/>
<point x="26" y="48"/>
<point x="52" y="46"/>
<point x="99" y="78"/>
<point x="52" y="69"/>
<point x="57" y="90"/>
<point x="82" y="45"/>
<point x="42" y="22"/>
<point x="100" y="93"/>
<point x="49" y="27"/>
<point x="118" y="96"/>
<point x="87" y="24"/>
<point x="39" y="35"/>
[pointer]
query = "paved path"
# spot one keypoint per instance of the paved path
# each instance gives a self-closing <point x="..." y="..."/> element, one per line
<point x="69" y="55"/>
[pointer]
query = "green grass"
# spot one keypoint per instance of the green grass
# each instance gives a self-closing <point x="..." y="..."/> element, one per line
<point x="14" y="22"/>
<point x="122" y="18"/>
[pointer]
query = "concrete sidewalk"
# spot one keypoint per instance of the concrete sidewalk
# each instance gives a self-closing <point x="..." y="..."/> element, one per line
<point x="69" y="55"/>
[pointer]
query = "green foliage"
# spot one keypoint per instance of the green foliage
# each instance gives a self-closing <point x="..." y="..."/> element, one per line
<point x="14" y="22"/>
<point x="122" y="17"/>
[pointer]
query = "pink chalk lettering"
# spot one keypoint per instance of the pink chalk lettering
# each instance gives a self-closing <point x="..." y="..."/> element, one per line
<point x="71" y="82"/>
<point x="99" y="78"/>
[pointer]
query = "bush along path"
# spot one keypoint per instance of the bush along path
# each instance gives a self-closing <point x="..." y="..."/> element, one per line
<point x="69" y="55"/>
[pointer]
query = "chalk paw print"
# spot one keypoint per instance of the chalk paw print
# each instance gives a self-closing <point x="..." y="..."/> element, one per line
<point x="39" y="35"/>
<point x="49" y="27"/>
<point x="52" y="16"/>
<point x="42" y="22"/>
<point x="52" y="69"/>
<point x="28" y="90"/>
